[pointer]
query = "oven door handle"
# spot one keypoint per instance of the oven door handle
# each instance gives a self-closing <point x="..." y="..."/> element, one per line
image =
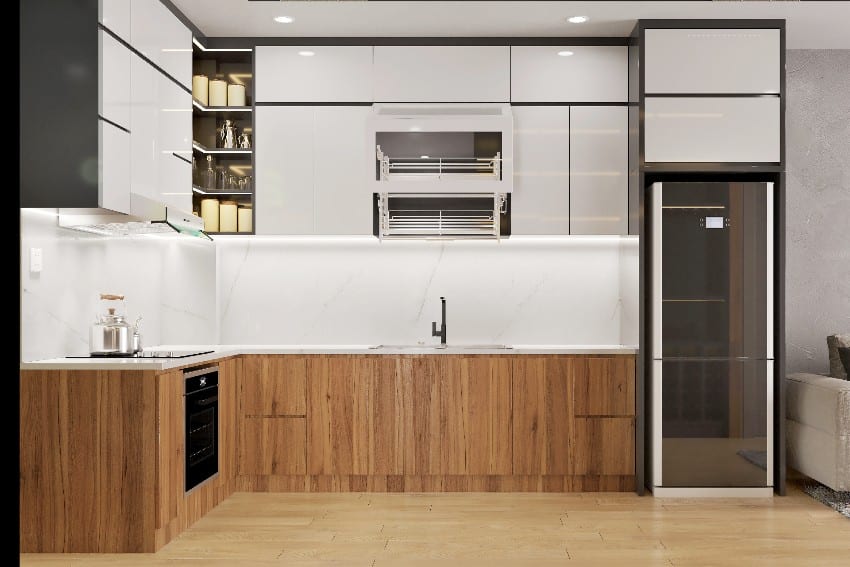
<point x="206" y="401"/>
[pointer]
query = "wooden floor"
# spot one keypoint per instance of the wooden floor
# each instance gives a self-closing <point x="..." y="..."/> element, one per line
<point x="259" y="529"/>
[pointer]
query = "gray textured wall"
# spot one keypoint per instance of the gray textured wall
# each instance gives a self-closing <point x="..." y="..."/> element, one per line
<point x="817" y="142"/>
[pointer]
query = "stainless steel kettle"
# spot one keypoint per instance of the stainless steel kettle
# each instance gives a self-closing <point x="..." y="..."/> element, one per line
<point x="111" y="334"/>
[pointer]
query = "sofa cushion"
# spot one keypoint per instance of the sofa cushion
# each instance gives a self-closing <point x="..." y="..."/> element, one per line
<point x="844" y="355"/>
<point x="834" y="342"/>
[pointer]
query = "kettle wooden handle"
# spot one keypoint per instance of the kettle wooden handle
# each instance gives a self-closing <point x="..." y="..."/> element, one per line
<point x="110" y="296"/>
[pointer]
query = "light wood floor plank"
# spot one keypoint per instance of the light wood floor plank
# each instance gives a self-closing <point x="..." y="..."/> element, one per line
<point x="495" y="529"/>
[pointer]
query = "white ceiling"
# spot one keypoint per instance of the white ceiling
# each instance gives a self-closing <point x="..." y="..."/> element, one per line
<point x="810" y="25"/>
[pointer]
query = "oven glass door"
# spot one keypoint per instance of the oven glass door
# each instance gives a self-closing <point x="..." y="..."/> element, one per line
<point x="201" y="436"/>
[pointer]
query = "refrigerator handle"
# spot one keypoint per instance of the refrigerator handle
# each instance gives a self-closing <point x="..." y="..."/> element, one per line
<point x="769" y="275"/>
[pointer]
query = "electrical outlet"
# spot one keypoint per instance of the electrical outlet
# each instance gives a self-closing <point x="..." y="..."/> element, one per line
<point x="36" y="260"/>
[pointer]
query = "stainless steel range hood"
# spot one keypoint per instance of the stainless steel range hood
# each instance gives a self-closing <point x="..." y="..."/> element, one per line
<point x="148" y="217"/>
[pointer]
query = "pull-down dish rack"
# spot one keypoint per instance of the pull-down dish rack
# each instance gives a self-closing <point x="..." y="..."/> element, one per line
<point x="428" y="168"/>
<point x="441" y="216"/>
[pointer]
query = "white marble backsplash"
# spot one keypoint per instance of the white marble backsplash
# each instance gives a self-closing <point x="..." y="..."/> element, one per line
<point x="578" y="290"/>
<point x="169" y="281"/>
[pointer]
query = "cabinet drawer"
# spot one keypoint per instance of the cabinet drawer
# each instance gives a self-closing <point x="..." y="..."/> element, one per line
<point x="712" y="61"/>
<point x="711" y="129"/>
<point x="272" y="446"/>
<point x="605" y="387"/>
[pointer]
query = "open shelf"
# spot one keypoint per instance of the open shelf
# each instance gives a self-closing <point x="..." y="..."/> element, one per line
<point x="235" y="112"/>
<point x="215" y="192"/>
<point x="230" y="233"/>
<point x="228" y="151"/>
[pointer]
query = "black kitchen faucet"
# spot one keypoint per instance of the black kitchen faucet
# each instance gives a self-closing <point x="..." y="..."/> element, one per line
<point x="442" y="332"/>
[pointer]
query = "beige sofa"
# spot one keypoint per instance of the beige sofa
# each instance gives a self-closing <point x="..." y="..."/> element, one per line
<point x="818" y="428"/>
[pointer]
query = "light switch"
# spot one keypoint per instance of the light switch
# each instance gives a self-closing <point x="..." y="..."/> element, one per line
<point x="36" y="262"/>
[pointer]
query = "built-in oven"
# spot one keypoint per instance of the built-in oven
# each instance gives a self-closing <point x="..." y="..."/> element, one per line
<point x="201" y="394"/>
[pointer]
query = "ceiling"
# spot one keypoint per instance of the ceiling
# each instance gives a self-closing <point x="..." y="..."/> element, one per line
<point x="810" y="25"/>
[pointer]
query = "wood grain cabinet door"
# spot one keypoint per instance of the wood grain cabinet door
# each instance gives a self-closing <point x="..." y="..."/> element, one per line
<point x="354" y="416"/>
<point x="273" y="386"/>
<point x="272" y="446"/>
<point x="475" y="425"/>
<point x="542" y="415"/>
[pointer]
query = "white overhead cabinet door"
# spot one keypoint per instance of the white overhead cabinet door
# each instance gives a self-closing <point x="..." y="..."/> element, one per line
<point x="712" y="129"/>
<point x="342" y="164"/>
<point x="442" y="73"/>
<point x="312" y="166"/>
<point x="599" y="170"/>
<point x="162" y="38"/>
<point x="703" y="61"/>
<point x="161" y="138"/>
<point x="115" y="15"/>
<point x="330" y="74"/>
<point x="284" y="170"/>
<point x="114" y="154"/>
<point x="596" y="73"/>
<point x="540" y="202"/>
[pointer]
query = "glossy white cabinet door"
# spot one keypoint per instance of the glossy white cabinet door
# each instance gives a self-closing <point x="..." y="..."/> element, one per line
<point x="597" y="73"/>
<point x="114" y="103"/>
<point x="174" y="145"/>
<point x="342" y="163"/>
<point x="442" y="73"/>
<point x="712" y="129"/>
<point x="540" y="202"/>
<point x="161" y="126"/>
<point x="114" y="187"/>
<point x="599" y="184"/>
<point x="331" y="74"/>
<point x="162" y="38"/>
<point x="712" y="61"/>
<point x="115" y="15"/>
<point x="144" y="136"/>
<point x="283" y="159"/>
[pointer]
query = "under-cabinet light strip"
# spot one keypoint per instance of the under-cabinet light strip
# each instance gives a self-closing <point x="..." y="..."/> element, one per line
<point x="202" y="149"/>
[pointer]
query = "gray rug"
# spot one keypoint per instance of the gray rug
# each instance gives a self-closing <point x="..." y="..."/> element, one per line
<point x="839" y="501"/>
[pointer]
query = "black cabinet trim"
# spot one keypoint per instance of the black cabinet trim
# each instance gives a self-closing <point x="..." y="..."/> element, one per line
<point x="108" y="121"/>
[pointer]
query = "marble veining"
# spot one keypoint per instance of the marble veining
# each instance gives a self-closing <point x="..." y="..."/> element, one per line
<point x="555" y="291"/>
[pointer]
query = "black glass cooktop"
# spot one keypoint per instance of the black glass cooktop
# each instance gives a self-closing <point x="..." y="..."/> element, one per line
<point x="149" y="354"/>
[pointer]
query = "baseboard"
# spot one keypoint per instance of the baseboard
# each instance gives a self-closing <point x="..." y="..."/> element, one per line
<point x="696" y="492"/>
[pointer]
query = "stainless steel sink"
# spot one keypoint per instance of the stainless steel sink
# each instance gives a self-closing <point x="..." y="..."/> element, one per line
<point x="442" y="347"/>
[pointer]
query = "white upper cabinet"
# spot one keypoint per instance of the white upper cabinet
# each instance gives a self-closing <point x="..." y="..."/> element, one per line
<point x="114" y="159"/>
<point x="313" y="73"/>
<point x="114" y="77"/>
<point x="161" y="37"/>
<point x="590" y="74"/>
<point x="161" y="138"/>
<point x="704" y="61"/>
<point x="442" y="73"/>
<point x="540" y="202"/>
<point x="283" y="178"/>
<point x="343" y="162"/>
<point x="115" y="15"/>
<point x="312" y="164"/>
<point x="599" y="186"/>
<point x="712" y="129"/>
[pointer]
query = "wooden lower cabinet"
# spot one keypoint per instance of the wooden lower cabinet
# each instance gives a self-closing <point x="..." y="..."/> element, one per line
<point x="273" y="446"/>
<point x="543" y="415"/>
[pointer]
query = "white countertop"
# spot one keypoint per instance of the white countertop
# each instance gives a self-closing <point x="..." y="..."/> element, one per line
<point x="222" y="351"/>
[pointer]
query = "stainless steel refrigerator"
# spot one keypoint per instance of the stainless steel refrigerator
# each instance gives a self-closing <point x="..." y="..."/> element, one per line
<point x="712" y="321"/>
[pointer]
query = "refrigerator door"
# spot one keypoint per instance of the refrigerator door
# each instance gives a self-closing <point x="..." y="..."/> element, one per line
<point x="712" y="270"/>
<point x="715" y="423"/>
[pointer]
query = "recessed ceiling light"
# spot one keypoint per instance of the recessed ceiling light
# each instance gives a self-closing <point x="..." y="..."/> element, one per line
<point x="577" y="19"/>
<point x="424" y="157"/>
<point x="284" y="19"/>
<point x="306" y="53"/>
<point x="565" y="53"/>
<point x="415" y="129"/>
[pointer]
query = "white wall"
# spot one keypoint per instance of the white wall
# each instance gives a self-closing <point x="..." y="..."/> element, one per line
<point x="168" y="281"/>
<point x="517" y="291"/>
